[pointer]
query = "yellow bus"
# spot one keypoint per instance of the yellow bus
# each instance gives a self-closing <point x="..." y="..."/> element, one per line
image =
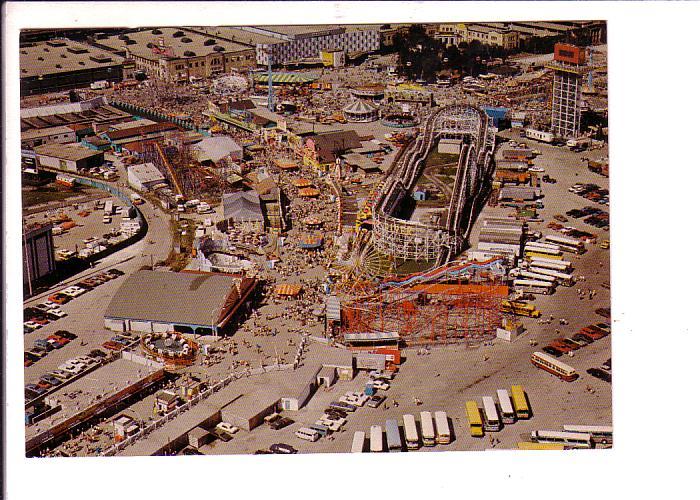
<point x="476" y="423"/>
<point x="540" y="446"/>
<point x="520" y="309"/>
<point x="532" y="253"/>
<point x="522" y="409"/>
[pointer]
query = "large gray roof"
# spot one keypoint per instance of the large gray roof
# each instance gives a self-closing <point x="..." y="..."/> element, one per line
<point x="187" y="298"/>
<point x="242" y="206"/>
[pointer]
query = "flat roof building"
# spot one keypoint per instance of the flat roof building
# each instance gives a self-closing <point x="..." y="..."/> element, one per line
<point x="62" y="64"/>
<point x="178" y="54"/>
<point x="60" y="134"/>
<point x="186" y="302"/>
<point x="144" y="176"/>
<point x="70" y="157"/>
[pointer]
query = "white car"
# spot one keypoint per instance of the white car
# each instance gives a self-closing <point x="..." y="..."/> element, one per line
<point x="332" y="425"/>
<point x="73" y="291"/>
<point x="378" y="384"/>
<point x="47" y="306"/>
<point x="32" y="324"/>
<point x="58" y="312"/>
<point x="227" y="428"/>
<point x="72" y="368"/>
<point x="536" y="169"/>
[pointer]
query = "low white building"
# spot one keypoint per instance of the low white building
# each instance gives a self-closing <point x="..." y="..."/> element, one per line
<point x="144" y="176"/>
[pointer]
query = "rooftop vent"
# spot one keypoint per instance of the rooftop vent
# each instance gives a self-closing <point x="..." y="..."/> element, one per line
<point x="178" y="34"/>
<point x="189" y="53"/>
<point x="77" y="50"/>
<point x="130" y="42"/>
<point x="186" y="40"/>
<point x="123" y="37"/>
<point x="150" y="45"/>
<point x="59" y="66"/>
<point x="23" y="51"/>
<point x="218" y="48"/>
<point x="40" y="58"/>
<point x="101" y="58"/>
<point x="56" y="43"/>
<point x="156" y="32"/>
<point x="211" y="41"/>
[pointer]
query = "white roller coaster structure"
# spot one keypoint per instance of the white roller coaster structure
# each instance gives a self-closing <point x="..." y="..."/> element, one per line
<point x="406" y="239"/>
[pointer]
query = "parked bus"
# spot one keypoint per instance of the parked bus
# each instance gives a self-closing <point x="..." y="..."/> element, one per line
<point x="476" y="424"/>
<point x="522" y="408"/>
<point x="534" y="286"/>
<point x="540" y="446"/>
<point x="443" y="428"/>
<point x="427" y="429"/>
<point x="573" y="439"/>
<point x="539" y="254"/>
<point x="492" y="422"/>
<point x="556" y="265"/>
<point x="376" y="439"/>
<point x="562" y="278"/>
<point x="553" y="366"/>
<point x="520" y="309"/>
<point x="393" y="438"/>
<point x="567" y="244"/>
<point x="541" y="244"/>
<point x="600" y="433"/>
<point x="109" y="207"/>
<point x="532" y="275"/>
<point x="507" y="413"/>
<point x="358" y="442"/>
<point x="411" y="432"/>
<point x="547" y="251"/>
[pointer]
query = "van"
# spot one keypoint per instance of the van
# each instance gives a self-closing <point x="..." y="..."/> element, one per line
<point x="323" y="430"/>
<point x="106" y="219"/>
<point x="337" y="405"/>
<point x="307" y="434"/>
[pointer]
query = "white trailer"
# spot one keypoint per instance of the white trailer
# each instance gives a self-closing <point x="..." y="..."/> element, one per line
<point x="358" y="442"/>
<point x="535" y="276"/>
<point x="376" y="439"/>
<point x="109" y="207"/>
<point x="539" y="135"/>
<point x="534" y="286"/>
<point x="537" y="245"/>
<point x="562" y="278"/>
<point x="556" y="265"/>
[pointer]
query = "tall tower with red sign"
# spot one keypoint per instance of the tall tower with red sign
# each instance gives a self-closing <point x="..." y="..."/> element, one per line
<point x="569" y="66"/>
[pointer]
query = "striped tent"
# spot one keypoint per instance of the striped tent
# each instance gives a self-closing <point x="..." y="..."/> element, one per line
<point x="309" y="192"/>
<point x="288" y="290"/>
<point x="360" y="111"/>
<point x="301" y="183"/>
<point x="286" y="78"/>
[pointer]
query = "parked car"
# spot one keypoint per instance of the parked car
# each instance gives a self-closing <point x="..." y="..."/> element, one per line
<point x="66" y="334"/>
<point x="603" y="326"/>
<point x="581" y="337"/>
<point x="381" y="385"/>
<point x="61" y="374"/>
<point x="115" y="272"/>
<point x="281" y="423"/>
<point x="113" y="346"/>
<point x="55" y="344"/>
<point x="59" y="298"/>
<point x="607" y="365"/>
<point x="35" y="388"/>
<point x="227" y="428"/>
<point x="376" y="401"/>
<point x="262" y="452"/>
<point x="38" y="352"/>
<point x="281" y="448"/>
<point x="96" y="353"/>
<point x="191" y="451"/>
<point x="33" y="325"/>
<point x="47" y="377"/>
<point x="598" y="373"/>
<point x="552" y="351"/>
<point x="56" y="313"/>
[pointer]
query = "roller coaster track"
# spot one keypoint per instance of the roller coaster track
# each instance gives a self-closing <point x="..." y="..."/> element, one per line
<point x="414" y="240"/>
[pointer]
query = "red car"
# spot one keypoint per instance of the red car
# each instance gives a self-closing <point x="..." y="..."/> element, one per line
<point x="59" y="298"/>
<point x="60" y="340"/>
<point x="115" y="346"/>
<point x="594" y="333"/>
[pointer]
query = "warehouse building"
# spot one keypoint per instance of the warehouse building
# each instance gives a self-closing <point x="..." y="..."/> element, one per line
<point x="215" y="149"/>
<point x="187" y="302"/>
<point x="63" y="64"/>
<point x="179" y="55"/>
<point x="37" y="252"/>
<point x="70" y="157"/>
<point x="60" y="134"/>
<point x="144" y="177"/>
<point x="81" y="116"/>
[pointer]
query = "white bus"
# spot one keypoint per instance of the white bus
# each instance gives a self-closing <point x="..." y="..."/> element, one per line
<point x="376" y="439"/>
<point x="538" y="244"/>
<point x="570" y="439"/>
<point x="532" y="275"/>
<point x="567" y="244"/>
<point x="393" y="438"/>
<point x="507" y="413"/>
<point x="492" y="422"/>
<point x="556" y="265"/>
<point x="443" y="428"/>
<point x="534" y="286"/>
<point x="553" y="366"/>
<point x="411" y="432"/>
<point x="427" y="429"/>
<point x="600" y="433"/>
<point x="358" y="442"/>
<point x="562" y="278"/>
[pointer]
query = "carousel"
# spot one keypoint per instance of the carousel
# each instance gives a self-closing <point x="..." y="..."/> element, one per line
<point x="361" y="112"/>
